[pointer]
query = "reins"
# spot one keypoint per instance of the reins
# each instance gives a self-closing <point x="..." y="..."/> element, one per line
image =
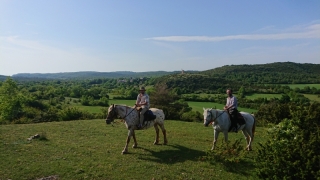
<point x="129" y="112"/>
<point x="216" y="115"/>
<point x="126" y="112"/>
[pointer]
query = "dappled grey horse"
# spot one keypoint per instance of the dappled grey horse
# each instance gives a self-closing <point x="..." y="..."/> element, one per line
<point x="131" y="117"/>
<point x="221" y="123"/>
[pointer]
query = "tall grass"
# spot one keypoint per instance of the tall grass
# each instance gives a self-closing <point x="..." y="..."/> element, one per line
<point x="89" y="149"/>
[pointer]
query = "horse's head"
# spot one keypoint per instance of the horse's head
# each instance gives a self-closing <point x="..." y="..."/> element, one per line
<point x="207" y="116"/>
<point x="112" y="114"/>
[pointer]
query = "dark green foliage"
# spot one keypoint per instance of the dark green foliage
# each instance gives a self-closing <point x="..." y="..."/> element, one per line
<point x="72" y="113"/>
<point x="273" y="112"/>
<point x="273" y="73"/>
<point x="192" y="116"/>
<point x="167" y="100"/>
<point x="292" y="151"/>
<point x="10" y="101"/>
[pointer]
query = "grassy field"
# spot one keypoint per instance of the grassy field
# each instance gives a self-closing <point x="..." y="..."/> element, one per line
<point x="268" y="96"/>
<point x="90" y="149"/>
<point x="312" y="97"/>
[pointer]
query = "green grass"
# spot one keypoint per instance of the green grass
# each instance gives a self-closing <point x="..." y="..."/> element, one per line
<point x="90" y="149"/>
<point x="268" y="96"/>
<point x="124" y="102"/>
<point x="312" y="97"/>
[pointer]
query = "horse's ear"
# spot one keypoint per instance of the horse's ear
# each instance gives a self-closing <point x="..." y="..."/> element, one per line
<point x="203" y="108"/>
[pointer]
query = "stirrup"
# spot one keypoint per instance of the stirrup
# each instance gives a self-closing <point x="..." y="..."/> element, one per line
<point x="235" y="130"/>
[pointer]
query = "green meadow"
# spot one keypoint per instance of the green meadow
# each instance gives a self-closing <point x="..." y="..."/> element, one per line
<point x="90" y="149"/>
<point x="312" y="97"/>
<point x="268" y="96"/>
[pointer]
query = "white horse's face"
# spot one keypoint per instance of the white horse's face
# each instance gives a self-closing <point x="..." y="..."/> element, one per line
<point x="207" y="116"/>
<point x="111" y="114"/>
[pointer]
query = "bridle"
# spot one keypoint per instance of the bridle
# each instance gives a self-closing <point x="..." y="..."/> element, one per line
<point x="113" y="113"/>
<point x="213" y="120"/>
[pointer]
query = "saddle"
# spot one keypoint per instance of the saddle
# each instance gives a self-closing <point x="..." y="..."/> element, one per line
<point x="240" y="119"/>
<point x="148" y="115"/>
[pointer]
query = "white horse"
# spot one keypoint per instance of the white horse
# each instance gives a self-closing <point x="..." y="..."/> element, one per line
<point x="131" y="117"/>
<point x="221" y="123"/>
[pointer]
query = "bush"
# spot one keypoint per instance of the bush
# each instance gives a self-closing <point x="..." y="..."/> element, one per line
<point x="72" y="113"/>
<point x="273" y="112"/>
<point x="192" y="116"/>
<point x="293" y="150"/>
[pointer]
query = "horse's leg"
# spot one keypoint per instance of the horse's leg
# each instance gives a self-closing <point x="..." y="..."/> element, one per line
<point x="164" y="132"/>
<point x="249" y="148"/>
<point x="134" y="139"/>
<point x="246" y="136"/>
<point x="225" y="133"/>
<point x="156" y="141"/>
<point x="215" y="138"/>
<point x="125" y="150"/>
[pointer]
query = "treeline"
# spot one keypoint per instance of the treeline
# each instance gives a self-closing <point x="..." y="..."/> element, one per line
<point x="199" y="83"/>
<point x="89" y="75"/>
<point x="273" y="73"/>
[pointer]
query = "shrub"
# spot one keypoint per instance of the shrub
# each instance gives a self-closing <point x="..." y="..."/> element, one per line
<point x="273" y="112"/>
<point x="72" y="113"/>
<point x="293" y="150"/>
<point x="190" y="116"/>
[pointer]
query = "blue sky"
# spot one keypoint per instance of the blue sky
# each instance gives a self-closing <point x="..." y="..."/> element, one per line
<point x="50" y="36"/>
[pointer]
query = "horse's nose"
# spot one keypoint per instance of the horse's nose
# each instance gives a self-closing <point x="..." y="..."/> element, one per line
<point x="108" y="121"/>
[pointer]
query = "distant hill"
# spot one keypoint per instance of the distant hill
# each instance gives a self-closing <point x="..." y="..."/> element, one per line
<point x="274" y="73"/>
<point x="93" y="74"/>
<point x="2" y="78"/>
<point x="284" y="67"/>
<point x="243" y="75"/>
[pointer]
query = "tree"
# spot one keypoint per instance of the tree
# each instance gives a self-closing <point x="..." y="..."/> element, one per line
<point x="10" y="101"/>
<point x="292" y="151"/>
<point x="242" y="92"/>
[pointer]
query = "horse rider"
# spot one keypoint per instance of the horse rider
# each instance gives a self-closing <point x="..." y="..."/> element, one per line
<point x="144" y="103"/>
<point x="231" y="107"/>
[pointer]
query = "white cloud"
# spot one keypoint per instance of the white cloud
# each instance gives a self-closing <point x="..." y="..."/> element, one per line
<point x="310" y="32"/>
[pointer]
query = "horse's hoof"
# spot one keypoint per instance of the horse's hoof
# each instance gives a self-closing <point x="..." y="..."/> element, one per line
<point x="134" y="146"/>
<point x="155" y="143"/>
<point x="165" y="143"/>
<point x="124" y="152"/>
